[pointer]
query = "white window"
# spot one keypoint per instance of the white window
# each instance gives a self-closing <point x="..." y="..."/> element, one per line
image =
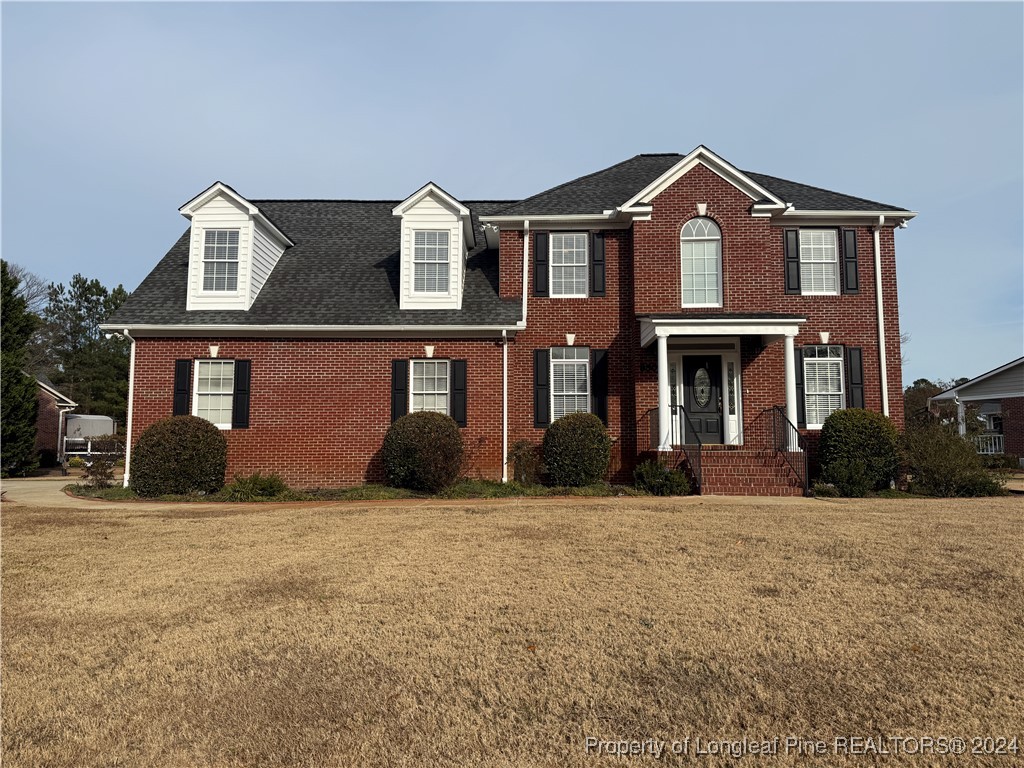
<point x="430" y="261"/>
<point x="701" y="249"/>
<point x="570" y="381"/>
<point x="569" y="264"/>
<point x="823" y="383"/>
<point x="214" y="391"/>
<point x="220" y="260"/>
<point x="429" y="390"/>
<point x="819" y="261"/>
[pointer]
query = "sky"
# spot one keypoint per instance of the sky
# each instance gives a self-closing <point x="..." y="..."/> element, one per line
<point x="115" y="114"/>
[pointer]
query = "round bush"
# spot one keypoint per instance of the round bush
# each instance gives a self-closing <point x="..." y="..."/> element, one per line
<point x="576" y="450"/>
<point x="178" y="455"/>
<point x="941" y="463"/>
<point x="855" y="435"/>
<point x="423" y="451"/>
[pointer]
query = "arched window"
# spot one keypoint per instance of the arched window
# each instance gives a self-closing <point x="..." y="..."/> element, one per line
<point x="702" y="263"/>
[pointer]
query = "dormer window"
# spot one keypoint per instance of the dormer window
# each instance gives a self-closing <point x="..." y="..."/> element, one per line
<point x="431" y="261"/>
<point x="220" y="260"/>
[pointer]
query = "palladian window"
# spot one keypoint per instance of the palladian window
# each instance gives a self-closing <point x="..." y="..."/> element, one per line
<point x="701" y="245"/>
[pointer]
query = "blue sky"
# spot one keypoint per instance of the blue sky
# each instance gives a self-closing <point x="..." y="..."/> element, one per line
<point x="116" y="114"/>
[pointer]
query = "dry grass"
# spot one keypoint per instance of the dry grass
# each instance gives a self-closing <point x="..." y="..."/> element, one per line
<point x="505" y="633"/>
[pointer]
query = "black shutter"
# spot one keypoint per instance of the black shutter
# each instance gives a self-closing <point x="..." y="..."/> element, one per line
<point x="541" y="387"/>
<point x="801" y="404"/>
<point x="240" y="405"/>
<point x="459" y="392"/>
<point x="851" y="283"/>
<point x="399" y="389"/>
<point x="854" y="377"/>
<point x="597" y="264"/>
<point x="599" y="383"/>
<point x="540" y="264"/>
<point x="792" y="251"/>
<point x="182" y="387"/>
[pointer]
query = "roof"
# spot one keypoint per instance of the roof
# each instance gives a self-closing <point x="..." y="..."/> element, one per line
<point x="608" y="189"/>
<point x="953" y="392"/>
<point x="63" y="400"/>
<point x="357" y="244"/>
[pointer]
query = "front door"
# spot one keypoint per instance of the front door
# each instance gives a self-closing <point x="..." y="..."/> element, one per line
<point x="702" y="392"/>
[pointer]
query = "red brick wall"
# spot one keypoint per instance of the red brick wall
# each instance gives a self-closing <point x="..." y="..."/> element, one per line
<point x="319" y="409"/>
<point x="1013" y="425"/>
<point x="47" y="421"/>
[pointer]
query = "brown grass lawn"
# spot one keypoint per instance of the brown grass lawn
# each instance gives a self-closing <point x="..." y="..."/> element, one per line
<point x="506" y="633"/>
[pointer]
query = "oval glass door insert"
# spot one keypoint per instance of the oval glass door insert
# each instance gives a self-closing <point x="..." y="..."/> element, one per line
<point x="702" y="387"/>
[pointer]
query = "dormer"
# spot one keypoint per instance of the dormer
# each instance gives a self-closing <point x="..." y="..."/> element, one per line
<point x="437" y="234"/>
<point x="233" y="248"/>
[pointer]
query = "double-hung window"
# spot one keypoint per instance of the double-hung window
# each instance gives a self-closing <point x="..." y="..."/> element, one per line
<point x="823" y="383"/>
<point x="701" y="248"/>
<point x="819" y="262"/>
<point x="215" y="391"/>
<point x="570" y="381"/>
<point x="430" y="386"/>
<point x="569" y="264"/>
<point x="220" y="260"/>
<point x="431" y="260"/>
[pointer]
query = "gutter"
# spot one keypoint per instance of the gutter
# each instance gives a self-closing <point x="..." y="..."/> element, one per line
<point x="504" y="407"/>
<point x="881" y="317"/>
<point x="328" y="331"/>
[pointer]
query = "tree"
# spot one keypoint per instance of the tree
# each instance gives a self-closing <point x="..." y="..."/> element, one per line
<point x="915" y="405"/>
<point x="34" y="290"/>
<point x="17" y="390"/>
<point x="86" y="366"/>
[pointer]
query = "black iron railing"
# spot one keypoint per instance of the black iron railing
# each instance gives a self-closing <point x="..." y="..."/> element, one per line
<point x="771" y="431"/>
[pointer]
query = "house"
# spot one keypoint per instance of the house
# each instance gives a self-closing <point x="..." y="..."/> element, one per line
<point x="999" y="393"/>
<point x="50" y="421"/>
<point x="710" y="316"/>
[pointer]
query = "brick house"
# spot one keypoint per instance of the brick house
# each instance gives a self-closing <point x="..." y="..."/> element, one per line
<point x="710" y="316"/>
<point x="50" y="421"/>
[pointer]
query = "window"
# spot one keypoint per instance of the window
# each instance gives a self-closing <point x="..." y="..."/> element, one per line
<point x="819" y="262"/>
<point x="569" y="264"/>
<point x="220" y="260"/>
<point x="429" y="390"/>
<point x="702" y="263"/>
<point x="570" y="381"/>
<point x="430" y="261"/>
<point x="215" y="385"/>
<point x="823" y="383"/>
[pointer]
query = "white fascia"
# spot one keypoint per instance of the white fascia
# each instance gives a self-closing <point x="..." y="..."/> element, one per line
<point x="793" y="216"/>
<point x="652" y="328"/>
<point x="318" y="331"/>
<point x="606" y="220"/>
<point x="712" y="162"/>
<point x="430" y="188"/>
<point x="220" y="188"/>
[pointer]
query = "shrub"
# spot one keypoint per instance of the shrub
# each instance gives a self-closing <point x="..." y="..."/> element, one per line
<point x="179" y="455"/>
<point x="527" y="466"/>
<point x="47" y="458"/>
<point x="423" y="451"/>
<point x="941" y="463"/>
<point x="856" y="434"/>
<point x="850" y="477"/>
<point x="822" y="490"/>
<point x="256" y="486"/>
<point x="658" y="480"/>
<point x="100" y="472"/>
<point x="577" y="450"/>
<point x="76" y="462"/>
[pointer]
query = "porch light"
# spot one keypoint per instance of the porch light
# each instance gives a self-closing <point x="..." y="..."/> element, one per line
<point x="570" y="339"/>
<point x="429" y="350"/>
<point x="823" y="335"/>
<point x="214" y="349"/>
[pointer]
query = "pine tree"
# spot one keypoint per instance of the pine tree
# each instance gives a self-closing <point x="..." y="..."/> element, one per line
<point x="17" y="390"/>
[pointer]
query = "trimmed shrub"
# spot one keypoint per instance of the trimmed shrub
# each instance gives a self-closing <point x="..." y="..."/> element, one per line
<point x="577" y="450"/>
<point x="850" y="477"/>
<point x="658" y="480"/>
<point x="179" y="455"/>
<point x="423" y="451"/>
<point x="256" y="486"/>
<point x="941" y="463"/>
<point x="527" y="466"/>
<point x="855" y="434"/>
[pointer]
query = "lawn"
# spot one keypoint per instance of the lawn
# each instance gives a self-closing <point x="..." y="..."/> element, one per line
<point x="505" y="633"/>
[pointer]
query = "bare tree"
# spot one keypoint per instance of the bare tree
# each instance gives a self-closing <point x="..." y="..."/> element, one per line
<point x="904" y="340"/>
<point x="32" y="288"/>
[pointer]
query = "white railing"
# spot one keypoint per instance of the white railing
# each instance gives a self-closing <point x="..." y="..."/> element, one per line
<point x="989" y="445"/>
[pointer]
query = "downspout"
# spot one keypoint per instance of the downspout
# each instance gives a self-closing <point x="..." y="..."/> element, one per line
<point x="504" y="406"/>
<point x="881" y="317"/>
<point x="131" y="399"/>
<point x="61" y="413"/>
<point x="526" y="267"/>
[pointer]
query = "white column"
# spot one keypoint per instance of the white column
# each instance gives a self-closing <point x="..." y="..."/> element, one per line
<point x="961" y="417"/>
<point x="790" y="372"/>
<point x="664" y="401"/>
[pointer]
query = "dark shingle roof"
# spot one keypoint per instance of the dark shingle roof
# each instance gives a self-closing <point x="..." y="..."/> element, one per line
<point x="342" y="270"/>
<point x="610" y="188"/>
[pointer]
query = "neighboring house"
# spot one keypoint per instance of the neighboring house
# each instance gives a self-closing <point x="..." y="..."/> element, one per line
<point x="50" y="421"/>
<point x="999" y="394"/>
<point x="682" y="300"/>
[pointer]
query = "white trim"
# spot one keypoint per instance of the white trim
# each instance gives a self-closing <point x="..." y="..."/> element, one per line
<point x="551" y="266"/>
<point x="842" y="380"/>
<point x="220" y="188"/>
<point x="563" y="221"/>
<point x="551" y="378"/>
<point x="430" y="188"/>
<point x="800" y="260"/>
<point x="195" y="389"/>
<point x="504" y="407"/>
<point x="448" y="378"/>
<point x="319" y="331"/>
<point x="67" y="402"/>
<point x="447" y="262"/>
<point x="128" y="420"/>
<point x="653" y="327"/>
<point x="880" y="304"/>
<point x="682" y="271"/>
<point x="952" y="392"/>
